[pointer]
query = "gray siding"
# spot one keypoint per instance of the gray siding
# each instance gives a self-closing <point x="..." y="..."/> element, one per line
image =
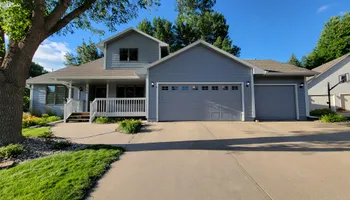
<point x="286" y="80"/>
<point x="39" y="101"/>
<point x="199" y="64"/>
<point x="148" y="51"/>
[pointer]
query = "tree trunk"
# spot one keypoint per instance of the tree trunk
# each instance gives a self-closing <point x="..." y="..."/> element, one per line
<point x="13" y="74"/>
<point x="11" y="109"/>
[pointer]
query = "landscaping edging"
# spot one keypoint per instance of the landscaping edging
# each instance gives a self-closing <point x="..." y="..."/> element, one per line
<point x="49" y="124"/>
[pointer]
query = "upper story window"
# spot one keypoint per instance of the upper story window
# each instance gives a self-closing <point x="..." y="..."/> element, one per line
<point x="128" y="54"/>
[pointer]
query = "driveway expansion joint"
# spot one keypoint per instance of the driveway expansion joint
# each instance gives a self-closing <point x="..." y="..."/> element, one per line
<point x="257" y="185"/>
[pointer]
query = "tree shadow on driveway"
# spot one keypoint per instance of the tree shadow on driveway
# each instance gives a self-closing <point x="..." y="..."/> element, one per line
<point x="318" y="142"/>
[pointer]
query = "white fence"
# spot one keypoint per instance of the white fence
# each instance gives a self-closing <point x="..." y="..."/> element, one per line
<point x="118" y="107"/>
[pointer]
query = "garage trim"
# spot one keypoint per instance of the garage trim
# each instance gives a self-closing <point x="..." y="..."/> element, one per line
<point x="295" y="94"/>
<point x="200" y="83"/>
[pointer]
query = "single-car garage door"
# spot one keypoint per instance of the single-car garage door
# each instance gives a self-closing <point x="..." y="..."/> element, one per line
<point x="196" y="102"/>
<point x="275" y="102"/>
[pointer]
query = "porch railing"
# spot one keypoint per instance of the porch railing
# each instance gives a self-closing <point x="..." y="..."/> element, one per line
<point x="72" y="106"/>
<point x="118" y="107"/>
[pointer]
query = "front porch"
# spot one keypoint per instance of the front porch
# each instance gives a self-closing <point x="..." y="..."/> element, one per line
<point x="123" y="98"/>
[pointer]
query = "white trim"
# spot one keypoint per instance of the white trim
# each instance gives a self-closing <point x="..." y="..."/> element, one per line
<point x="199" y="83"/>
<point x="107" y="90"/>
<point x="96" y="77"/>
<point x="257" y="70"/>
<point x="105" y="56"/>
<point x="295" y="94"/>
<point x="87" y="96"/>
<point x="31" y="94"/>
<point x="101" y="44"/>
<point x="253" y="94"/>
<point x="147" y="95"/>
<point x="307" y="101"/>
<point x="70" y="90"/>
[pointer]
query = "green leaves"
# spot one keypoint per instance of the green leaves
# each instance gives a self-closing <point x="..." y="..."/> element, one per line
<point x="333" y="43"/>
<point x="294" y="61"/>
<point x="85" y="53"/>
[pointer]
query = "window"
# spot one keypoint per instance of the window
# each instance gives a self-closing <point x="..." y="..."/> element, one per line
<point x="225" y="87"/>
<point x="165" y="88"/>
<point x="184" y="87"/>
<point x="214" y="87"/>
<point x="195" y="87"/>
<point x="128" y="54"/>
<point x="175" y="88"/>
<point x="130" y="91"/>
<point x="205" y="87"/>
<point x="235" y="87"/>
<point x="56" y="94"/>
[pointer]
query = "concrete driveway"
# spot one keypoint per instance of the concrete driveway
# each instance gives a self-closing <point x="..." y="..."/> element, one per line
<point x="223" y="160"/>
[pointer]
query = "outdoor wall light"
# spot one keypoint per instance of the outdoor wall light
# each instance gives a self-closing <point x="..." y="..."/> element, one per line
<point x="301" y="85"/>
<point x="152" y="84"/>
<point x="247" y="84"/>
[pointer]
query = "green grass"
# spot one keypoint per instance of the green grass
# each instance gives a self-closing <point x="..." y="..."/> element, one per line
<point x="64" y="176"/>
<point x="331" y="118"/>
<point x="37" y="132"/>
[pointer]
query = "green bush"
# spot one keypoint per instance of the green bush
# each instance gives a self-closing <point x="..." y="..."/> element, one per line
<point x="129" y="126"/>
<point x="320" y="112"/>
<point x="105" y="120"/>
<point x="33" y="121"/>
<point x="44" y="115"/>
<point x="331" y="118"/>
<point x="26" y="101"/>
<point x="10" y="151"/>
<point x="50" y="111"/>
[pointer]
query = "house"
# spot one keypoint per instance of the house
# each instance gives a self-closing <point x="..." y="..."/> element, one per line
<point x="138" y="77"/>
<point x="333" y="73"/>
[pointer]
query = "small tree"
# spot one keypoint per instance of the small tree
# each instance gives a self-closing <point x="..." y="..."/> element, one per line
<point x="85" y="53"/>
<point x="294" y="61"/>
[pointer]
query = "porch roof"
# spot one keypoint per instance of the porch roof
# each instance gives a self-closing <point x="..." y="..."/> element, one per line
<point x="92" y="71"/>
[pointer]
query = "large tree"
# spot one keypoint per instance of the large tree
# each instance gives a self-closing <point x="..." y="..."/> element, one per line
<point x="196" y="20"/>
<point x="333" y="43"/>
<point x="28" y="23"/>
<point x="293" y="60"/>
<point x="85" y="53"/>
<point x="36" y="69"/>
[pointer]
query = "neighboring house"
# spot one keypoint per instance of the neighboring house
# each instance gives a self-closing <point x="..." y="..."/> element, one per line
<point x="139" y="78"/>
<point x="332" y="72"/>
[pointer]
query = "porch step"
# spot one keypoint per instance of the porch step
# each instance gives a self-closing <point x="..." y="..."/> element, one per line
<point x="79" y="117"/>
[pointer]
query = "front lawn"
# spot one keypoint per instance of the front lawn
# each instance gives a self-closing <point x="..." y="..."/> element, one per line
<point x="37" y="132"/>
<point x="64" y="176"/>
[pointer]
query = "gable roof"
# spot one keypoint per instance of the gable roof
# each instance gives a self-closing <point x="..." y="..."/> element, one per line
<point x="101" y="44"/>
<point x="90" y="70"/>
<point x="256" y="69"/>
<point x="325" y="67"/>
<point x="272" y="66"/>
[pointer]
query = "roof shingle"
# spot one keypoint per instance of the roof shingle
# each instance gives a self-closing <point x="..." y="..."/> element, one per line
<point x="274" y="66"/>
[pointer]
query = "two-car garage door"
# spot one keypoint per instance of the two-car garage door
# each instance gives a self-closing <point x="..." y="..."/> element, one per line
<point x="196" y="102"/>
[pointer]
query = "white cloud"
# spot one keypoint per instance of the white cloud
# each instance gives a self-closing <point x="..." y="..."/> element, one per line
<point x="323" y="8"/>
<point x="51" y="54"/>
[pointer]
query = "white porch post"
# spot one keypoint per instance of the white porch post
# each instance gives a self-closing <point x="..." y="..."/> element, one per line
<point x="70" y="90"/>
<point x="107" y="95"/>
<point x="87" y="97"/>
<point x="31" y="97"/>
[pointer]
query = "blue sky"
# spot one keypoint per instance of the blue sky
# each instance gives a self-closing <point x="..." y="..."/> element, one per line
<point x="269" y="29"/>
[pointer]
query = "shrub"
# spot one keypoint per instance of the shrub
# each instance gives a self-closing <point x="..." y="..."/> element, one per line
<point x="129" y="126"/>
<point x="26" y="115"/>
<point x="51" y="119"/>
<point x="32" y="121"/>
<point x="331" y="118"/>
<point x="50" y="111"/>
<point x="320" y="112"/>
<point x="26" y="101"/>
<point x="44" y="115"/>
<point x="11" y="151"/>
<point x="35" y="112"/>
<point x="104" y="120"/>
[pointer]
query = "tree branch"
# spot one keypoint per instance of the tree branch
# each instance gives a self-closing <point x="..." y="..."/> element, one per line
<point x="38" y="19"/>
<point x="70" y="16"/>
<point x="57" y="13"/>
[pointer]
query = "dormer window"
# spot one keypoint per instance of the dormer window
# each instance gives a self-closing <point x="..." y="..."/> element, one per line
<point x="128" y="54"/>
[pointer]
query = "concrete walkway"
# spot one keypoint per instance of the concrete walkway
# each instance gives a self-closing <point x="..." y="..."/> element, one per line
<point x="223" y="160"/>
